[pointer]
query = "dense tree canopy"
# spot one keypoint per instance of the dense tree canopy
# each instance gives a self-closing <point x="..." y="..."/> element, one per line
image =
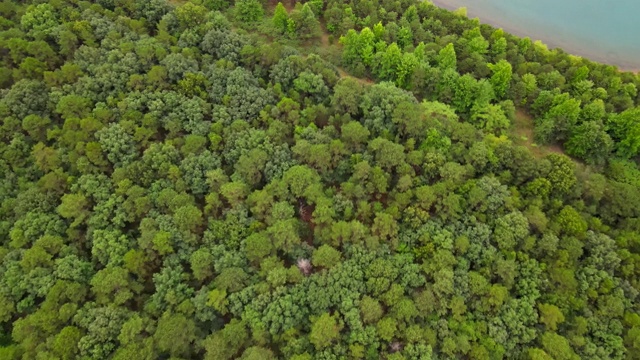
<point x="213" y="179"/>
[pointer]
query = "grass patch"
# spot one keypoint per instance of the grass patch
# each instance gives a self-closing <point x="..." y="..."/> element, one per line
<point x="522" y="134"/>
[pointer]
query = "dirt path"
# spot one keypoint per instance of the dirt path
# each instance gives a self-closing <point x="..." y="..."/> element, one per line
<point x="324" y="38"/>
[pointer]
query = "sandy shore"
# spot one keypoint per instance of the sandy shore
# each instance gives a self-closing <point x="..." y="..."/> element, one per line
<point x="445" y="4"/>
<point x="552" y="43"/>
<point x="491" y="20"/>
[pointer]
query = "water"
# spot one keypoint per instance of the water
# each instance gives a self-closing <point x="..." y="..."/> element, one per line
<point x="601" y="30"/>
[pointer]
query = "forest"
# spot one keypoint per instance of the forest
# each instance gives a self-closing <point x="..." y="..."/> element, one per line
<point x="330" y="179"/>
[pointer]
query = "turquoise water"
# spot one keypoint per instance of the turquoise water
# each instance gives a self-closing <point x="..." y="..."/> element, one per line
<point x="607" y="31"/>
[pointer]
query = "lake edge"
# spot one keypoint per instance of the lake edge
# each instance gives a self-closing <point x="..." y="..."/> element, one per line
<point x="567" y="46"/>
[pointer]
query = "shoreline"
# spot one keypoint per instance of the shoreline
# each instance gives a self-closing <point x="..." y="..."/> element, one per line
<point x="566" y="45"/>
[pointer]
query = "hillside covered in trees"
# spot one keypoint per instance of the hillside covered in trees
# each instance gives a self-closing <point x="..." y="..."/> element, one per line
<point x="210" y="179"/>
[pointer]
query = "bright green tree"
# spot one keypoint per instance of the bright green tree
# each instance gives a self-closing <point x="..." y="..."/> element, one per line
<point x="501" y="77"/>
<point x="249" y="10"/>
<point x="280" y="18"/>
<point x="447" y="58"/>
<point x="324" y="330"/>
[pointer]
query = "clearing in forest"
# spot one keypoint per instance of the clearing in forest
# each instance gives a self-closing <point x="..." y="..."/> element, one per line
<point x="522" y="134"/>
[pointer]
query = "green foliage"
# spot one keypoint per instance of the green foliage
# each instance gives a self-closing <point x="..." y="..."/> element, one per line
<point x="590" y="141"/>
<point x="280" y="18"/>
<point x="550" y="316"/>
<point x="248" y="10"/>
<point x="177" y="184"/>
<point x="225" y="343"/>
<point x="557" y="346"/>
<point x="175" y="334"/>
<point x="626" y="130"/>
<point x="324" y="330"/>
<point x="371" y="310"/>
<point x="326" y="256"/>
<point x="40" y="21"/>
<point x="501" y="77"/>
<point x="447" y="57"/>
<point x="303" y="23"/>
